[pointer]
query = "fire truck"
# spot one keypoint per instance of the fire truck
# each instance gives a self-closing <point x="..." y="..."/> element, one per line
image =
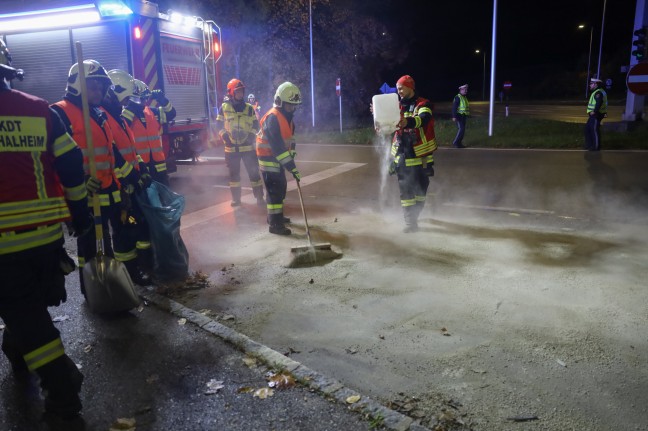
<point x="171" y="52"/>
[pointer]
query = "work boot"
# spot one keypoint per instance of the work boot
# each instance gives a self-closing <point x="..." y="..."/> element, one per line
<point x="286" y="219"/>
<point x="279" y="229"/>
<point x="136" y="274"/>
<point x="236" y="196"/>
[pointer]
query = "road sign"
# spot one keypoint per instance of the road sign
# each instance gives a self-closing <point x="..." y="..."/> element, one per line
<point x="637" y="80"/>
<point x="386" y="89"/>
<point x="338" y="88"/>
<point x="508" y="85"/>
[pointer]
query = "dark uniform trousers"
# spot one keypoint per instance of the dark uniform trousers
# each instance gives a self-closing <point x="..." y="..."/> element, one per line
<point x="593" y="132"/>
<point x="32" y="281"/>
<point x="249" y="159"/>
<point x="461" y="130"/>
<point x="413" y="183"/>
<point x="276" y="186"/>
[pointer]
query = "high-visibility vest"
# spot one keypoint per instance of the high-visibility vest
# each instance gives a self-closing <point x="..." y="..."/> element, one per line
<point x="124" y="139"/>
<point x="425" y="140"/>
<point x="102" y="139"/>
<point x="463" y="108"/>
<point x="32" y="200"/>
<point x="592" y="102"/>
<point x="268" y="161"/>
<point x="237" y="125"/>
<point x="148" y="139"/>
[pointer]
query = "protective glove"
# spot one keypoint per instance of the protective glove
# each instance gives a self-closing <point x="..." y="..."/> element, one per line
<point x="160" y="97"/>
<point x="126" y="205"/>
<point x="292" y="151"/>
<point x="145" y="181"/>
<point x="80" y="225"/>
<point x="226" y="139"/>
<point x="295" y="173"/>
<point x="93" y="185"/>
<point x="392" y="167"/>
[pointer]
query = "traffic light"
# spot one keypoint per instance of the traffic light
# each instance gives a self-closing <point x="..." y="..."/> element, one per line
<point x="641" y="44"/>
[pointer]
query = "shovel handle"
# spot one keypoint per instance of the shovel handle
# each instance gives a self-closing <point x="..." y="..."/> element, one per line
<point x="96" y="205"/>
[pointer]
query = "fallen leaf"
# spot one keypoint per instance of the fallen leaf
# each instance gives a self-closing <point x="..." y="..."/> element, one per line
<point x="264" y="393"/>
<point x="124" y="424"/>
<point x="281" y="381"/>
<point x="205" y="311"/>
<point x="87" y="348"/>
<point x="353" y="399"/>
<point x="182" y="321"/>
<point x="213" y="386"/>
<point x="61" y="318"/>
<point x="228" y="317"/>
<point x="250" y="361"/>
<point x="244" y="390"/>
<point x="351" y="351"/>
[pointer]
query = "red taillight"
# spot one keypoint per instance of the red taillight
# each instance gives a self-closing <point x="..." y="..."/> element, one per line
<point x="216" y="47"/>
<point x="137" y="32"/>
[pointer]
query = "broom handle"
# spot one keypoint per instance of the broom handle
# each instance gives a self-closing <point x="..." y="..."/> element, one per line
<point x="96" y="205"/>
<point x="301" y="201"/>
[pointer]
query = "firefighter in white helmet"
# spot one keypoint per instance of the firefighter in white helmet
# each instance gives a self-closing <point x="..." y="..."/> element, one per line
<point x="238" y="126"/>
<point x="41" y="185"/>
<point x="276" y="153"/>
<point x="137" y="257"/>
<point x="146" y="123"/>
<point x="257" y="108"/>
<point x="114" y="174"/>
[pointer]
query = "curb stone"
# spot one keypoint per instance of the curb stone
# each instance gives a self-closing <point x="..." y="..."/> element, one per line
<point x="391" y="419"/>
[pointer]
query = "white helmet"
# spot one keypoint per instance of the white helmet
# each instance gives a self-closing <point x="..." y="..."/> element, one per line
<point x="287" y="93"/>
<point x="92" y="69"/>
<point x="123" y="85"/>
<point x="5" y="57"/>
<point x="141" y="89"/>
<point x="251" y="97"/>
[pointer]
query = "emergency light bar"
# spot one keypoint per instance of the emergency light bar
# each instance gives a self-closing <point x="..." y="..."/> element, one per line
<point x="62" y="17"/>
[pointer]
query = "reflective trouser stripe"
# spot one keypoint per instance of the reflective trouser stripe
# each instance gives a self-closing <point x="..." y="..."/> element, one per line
<point x="408" y="202"/>
<point x="44" y="354"/>
<point x="161" y="167"/>
<point x="127" y="256"/>
<point x="143" y="245"/>
<point x="275" y="208"/>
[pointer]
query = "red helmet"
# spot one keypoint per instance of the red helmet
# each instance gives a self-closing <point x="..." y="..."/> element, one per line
<point x="234" y="85"/>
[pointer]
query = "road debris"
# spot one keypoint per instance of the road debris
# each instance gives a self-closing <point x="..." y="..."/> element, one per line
<point x="281" y="380"/>
<point x="353" y="399"/>
<point x="561" y="363"/>
<point x="523" y="418"/>
<point x="61" y="318"/>
<point x="263" y="393"/>
<point x="213" y="386"/>
<point x="124" y="424"/>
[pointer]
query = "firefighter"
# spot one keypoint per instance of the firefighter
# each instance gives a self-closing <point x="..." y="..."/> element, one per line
<point x="460" y="111"/>
<point x="41" y="185"/>
<point x="412" y="147"/>
<point x="108" y="161"/>
<point x="146" y="123"/>
<point x="238" y="126"/>
<point x="596" y="112"/>
<point x="138" y="258"/>
<point x="257" y="108"/>
<point x="276" y="152"/>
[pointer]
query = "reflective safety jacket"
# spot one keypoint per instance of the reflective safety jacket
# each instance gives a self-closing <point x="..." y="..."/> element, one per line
<point x="275" y="144"/>
<point x="598" y="102"/>
<point x="125" y="142"/>
<point x="461" y="105"/>
<point x="148" y="136"/>
<point x="41" y="174"/>
<point x="238" y="127"/>
<point x="416" y="140"/>
<point x="102" y="142"/>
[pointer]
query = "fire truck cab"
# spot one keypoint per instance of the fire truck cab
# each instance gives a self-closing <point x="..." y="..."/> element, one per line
<point x="168" y="51"/>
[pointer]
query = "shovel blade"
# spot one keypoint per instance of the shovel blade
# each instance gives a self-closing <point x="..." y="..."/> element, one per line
<point x="108" y="286"/>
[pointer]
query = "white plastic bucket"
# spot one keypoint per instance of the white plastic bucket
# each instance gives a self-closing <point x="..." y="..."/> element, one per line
<point x="386" y="112"/>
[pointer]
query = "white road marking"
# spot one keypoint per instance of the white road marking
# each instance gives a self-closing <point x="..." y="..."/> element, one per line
<point x="503" y="209"/>
<point x="215" y="211"/>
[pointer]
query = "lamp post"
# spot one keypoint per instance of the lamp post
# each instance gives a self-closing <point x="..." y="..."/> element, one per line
<point x="484" y="79"/>
<point x="589" y="58"/>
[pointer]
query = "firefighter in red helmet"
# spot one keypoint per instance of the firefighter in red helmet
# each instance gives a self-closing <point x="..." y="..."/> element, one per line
<point x="238" y="125"/>
<point x="42" y="183"/>
<point x="412" y="147"/>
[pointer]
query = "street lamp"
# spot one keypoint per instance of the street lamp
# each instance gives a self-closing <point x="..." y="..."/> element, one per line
<point x="484" y="80"/>
<point x="589" y="57"/>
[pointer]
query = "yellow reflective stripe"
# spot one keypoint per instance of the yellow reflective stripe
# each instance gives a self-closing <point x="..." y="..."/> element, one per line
<point x="275" y="208"/>
<point x="283" y="156"/>
<point x="39" y="176"/>
<point x="125" y="170"/>
<point x="82" y="261"/>
<point x="104" y="198"/>
<point x="161" y="167"/>
<point x="36" y="216"/>
<point x="76" y="193"/>
<point x="239" y="148"/>
<point x="12" y="242"/>
<point x="425" y="146"/>
<point x="44" y="354"/>
<point x="235" y="184"/>
<point x="63" y="144"/>
<point x="417" y="122"/>
<point x="408" y="202"/>
<point x="127" y="256"/>
<point x="256" y="183"/>
<point x="127" y="114"/>
<point x="419" y="198"/>
<point x="143" y="245"/>
<point x="418" y="160"/>
<point x="423" y="110"/>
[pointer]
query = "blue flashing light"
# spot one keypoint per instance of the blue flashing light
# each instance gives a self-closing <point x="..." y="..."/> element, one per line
<point x="113" y="8"/>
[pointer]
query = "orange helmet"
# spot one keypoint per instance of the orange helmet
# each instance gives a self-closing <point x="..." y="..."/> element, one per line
<point x="234" y="85"/>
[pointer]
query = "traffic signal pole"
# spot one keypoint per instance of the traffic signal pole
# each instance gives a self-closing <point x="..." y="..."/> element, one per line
<point x="634" y="103"/>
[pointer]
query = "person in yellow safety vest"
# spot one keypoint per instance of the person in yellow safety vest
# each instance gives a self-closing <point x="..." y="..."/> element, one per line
<point x="412" y="147"/>
<point x="460" y="111"/>
<point x="138" y="258"/>
<point x="41" y="185"/>
<point x="146" y="123"/>
<point x="238" y="126"/>
<point x="596" y="111"/>
<point x="257" y="108"/>
<point x="276" y="152"/>
<point x="107" y="158"/>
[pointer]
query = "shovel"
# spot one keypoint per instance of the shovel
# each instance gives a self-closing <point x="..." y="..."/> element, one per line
<point x="108" y="286"/>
